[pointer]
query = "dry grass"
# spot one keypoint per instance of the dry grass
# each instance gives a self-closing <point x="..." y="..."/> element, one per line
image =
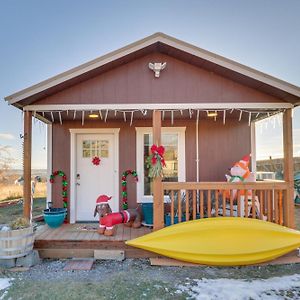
<point x="12" y="191"/>
<point x="11" y="212"/>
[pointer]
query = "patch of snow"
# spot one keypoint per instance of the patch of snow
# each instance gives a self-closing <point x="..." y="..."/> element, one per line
<point x="238" y="289"/>
<point x="5" y="283"/>
<point x="5" y="228"/>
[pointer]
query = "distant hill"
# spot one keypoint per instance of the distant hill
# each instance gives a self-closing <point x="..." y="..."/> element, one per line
<point x="275" y="165"/>
<point x="34" y="172"/>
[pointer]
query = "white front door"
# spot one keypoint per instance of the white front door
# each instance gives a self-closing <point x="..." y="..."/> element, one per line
<point x="92" y="180"/>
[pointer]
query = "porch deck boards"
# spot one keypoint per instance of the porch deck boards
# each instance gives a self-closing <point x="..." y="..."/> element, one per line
<point x="80" y="240"/>
<point x="77" y="232"/>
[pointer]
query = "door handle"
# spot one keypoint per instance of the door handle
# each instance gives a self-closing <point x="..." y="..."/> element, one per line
<point x="77" y="183"/>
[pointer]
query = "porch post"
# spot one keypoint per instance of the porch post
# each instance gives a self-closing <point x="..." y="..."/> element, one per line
<point x="27" y="164"/>
<point x="158" y="201"/>
<point x="289" y="214"/>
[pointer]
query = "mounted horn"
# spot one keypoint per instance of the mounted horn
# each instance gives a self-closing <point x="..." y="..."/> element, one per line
<point x="157" y="67"/>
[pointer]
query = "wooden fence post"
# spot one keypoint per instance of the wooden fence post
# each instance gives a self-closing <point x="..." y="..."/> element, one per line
<point x="289" y="213"/>
<point x="158" y="200"/>
<point x="27" y="164"/>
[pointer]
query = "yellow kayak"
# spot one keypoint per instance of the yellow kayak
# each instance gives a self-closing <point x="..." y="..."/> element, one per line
<point x="221" y="241"/>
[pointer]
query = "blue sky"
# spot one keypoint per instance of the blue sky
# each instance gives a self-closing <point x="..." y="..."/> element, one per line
<point x="40" y="39"/>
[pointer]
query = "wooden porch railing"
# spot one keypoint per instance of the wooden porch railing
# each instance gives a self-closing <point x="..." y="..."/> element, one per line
<point x="263" y="200"/>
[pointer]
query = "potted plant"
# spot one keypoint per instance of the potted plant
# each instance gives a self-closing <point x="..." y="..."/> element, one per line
<point x="16" y="239"/>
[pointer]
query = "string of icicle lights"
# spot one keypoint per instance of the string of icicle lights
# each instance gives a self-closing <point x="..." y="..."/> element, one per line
<point x="128" y="115"/>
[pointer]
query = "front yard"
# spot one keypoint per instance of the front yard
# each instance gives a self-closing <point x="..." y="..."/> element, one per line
<point x="136" y="279"/>
<point x="11" y="212"/>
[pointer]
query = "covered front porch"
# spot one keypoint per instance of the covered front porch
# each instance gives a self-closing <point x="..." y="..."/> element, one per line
<point x="271" y="200"/>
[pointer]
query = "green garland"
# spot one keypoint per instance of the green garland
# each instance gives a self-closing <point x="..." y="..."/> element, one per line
<point x="124" y="185"/>
<point x="64" y="185"/>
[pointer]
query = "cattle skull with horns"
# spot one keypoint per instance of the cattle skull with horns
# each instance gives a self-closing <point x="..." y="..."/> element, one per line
<point x="157" y="67"/>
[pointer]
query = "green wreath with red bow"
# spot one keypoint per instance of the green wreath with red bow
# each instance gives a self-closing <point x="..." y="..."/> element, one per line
<point x="155" y="161"/>
<point x="124" y="185"/>
<point x="64" y="185"/>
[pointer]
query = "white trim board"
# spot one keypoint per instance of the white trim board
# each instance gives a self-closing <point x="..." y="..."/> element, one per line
<point x="253" y="147"/>
<point x="152" y="39"/>
<point x="161" y="106"/>
<point x="49" y="163"/>
<point x="73" y="133"/>
<point x="140" y="131"/>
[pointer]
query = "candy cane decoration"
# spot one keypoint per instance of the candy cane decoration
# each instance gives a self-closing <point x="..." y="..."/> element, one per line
<point x="124" y="185"/>
<point x="64" y="185"/>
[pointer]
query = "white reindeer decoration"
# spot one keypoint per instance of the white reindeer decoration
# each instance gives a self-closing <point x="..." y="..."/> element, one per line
<point x="157" y="67"/>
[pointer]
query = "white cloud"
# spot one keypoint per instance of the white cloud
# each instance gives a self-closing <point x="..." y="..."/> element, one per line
<point x="7" y="136"/>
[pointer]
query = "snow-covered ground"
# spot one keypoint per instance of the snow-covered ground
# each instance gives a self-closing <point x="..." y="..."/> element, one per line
<point x="4" y="284"/>
<point x="285" y="287"/>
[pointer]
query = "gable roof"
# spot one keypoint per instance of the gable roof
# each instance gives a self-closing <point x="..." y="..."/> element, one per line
<point x="171" y="46"/>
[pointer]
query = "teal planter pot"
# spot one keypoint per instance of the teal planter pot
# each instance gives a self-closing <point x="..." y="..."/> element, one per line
<point x="183" y="219"/>
<point x="168" y="219"/>
<point x="147" y="210"/>
<point x="54" y="217"/>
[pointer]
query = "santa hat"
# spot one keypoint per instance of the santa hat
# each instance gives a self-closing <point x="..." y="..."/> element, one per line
<point x="245" y="160"/>
<point x="102" y="199"/>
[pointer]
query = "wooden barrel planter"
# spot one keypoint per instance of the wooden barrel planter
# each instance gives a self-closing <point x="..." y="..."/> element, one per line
<point x="16" y="243"/>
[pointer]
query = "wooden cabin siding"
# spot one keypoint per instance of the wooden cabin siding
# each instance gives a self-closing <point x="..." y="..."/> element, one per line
<point x="180" y="82"/>
<point x="219" y="147"/>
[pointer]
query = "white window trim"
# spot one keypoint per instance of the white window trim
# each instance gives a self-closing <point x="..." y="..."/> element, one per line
<point x="140" y="131"/>
<point x="73" y="153"/>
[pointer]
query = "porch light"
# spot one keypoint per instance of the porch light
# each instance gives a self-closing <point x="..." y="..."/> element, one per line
<point x="212" y="114"/>
<point x="93" y="116"/>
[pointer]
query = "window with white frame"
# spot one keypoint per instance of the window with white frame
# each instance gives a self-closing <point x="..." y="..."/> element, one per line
<point x="173" y="139"/>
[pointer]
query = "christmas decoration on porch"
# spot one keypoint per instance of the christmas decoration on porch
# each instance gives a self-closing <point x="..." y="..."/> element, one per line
<point x="96" y="161"/>
<point x="155" y="161"/>
<point x="108" y="219"/>
<point x="124" y="185"/>
<point x="64" y="185"/>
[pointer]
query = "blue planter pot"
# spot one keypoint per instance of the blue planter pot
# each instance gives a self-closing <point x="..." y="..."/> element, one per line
<point x="168" y="219"/>
<point x="147" y="209"/>
<point x="183" y="219"/>
<point x="54" y="217"/>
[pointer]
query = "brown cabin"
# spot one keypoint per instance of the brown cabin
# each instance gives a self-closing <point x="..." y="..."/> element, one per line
<point x="202" y="107"/>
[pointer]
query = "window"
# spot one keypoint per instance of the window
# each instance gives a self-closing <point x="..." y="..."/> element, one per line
<point x="91" y="148"/>
<point x="173" y="139"/>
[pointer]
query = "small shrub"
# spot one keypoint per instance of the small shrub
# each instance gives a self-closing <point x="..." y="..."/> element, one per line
<point x="19" y="223"/>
